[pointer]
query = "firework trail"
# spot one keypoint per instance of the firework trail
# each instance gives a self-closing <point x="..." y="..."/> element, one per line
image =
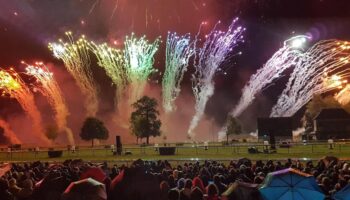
<point x="215" y="50"/>
<point x="139" y="59"/>
<point x="284" y="58"/>
<point x="178" y="52"/>
<point x="47" y="86"/>
<point x="112" y="60"/>
<point x="114" y="9"/>
<point x="75" y="56"/>
<point x="343" y="96"/>
<point x="93" y="6"/>
<point x="13" y="86"/>
<point x="9" y="133"/>
<point x="322" y="69"/>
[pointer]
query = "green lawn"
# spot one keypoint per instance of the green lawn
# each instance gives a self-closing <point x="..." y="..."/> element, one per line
<point x="310" y="151"/>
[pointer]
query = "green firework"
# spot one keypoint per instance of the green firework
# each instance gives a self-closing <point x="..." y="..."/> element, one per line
<point x="178" y="53"/>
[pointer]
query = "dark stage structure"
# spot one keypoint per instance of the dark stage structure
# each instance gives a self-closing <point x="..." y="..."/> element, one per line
<point x="332" y="123"/>
<point x="281" y="128"/>
<point x="118" y="144"/>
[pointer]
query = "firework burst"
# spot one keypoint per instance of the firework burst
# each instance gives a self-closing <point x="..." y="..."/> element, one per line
<point x="178" y="53"/>
<point x="47" y="86"/>
<point x="112" y="60"/>
<point x="139" y="58"/>
<point x="324" y="67"/>
<point x="215" y="50"/>
<point x="13" y="86"/>
<point x="75" y="56"/>
<point x="286" y="57"/>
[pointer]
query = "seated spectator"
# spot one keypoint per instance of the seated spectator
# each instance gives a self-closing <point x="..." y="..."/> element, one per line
<point x="185" y="194"/>
<point x="164" y="189"/>
<point x="196" y="194"/>
<point x="212" y="192"/>
<point x="26" y="191"/>
<point x="258" y="180"/>
<point x="4" y="192"/>
<point x="180" y="184"/>
<point x="220" y="186"/>
<point x="13" y="188"/>
<point x="197" y="182"/>
<point x="326" y="185"/>
<point x="173" y="194"/>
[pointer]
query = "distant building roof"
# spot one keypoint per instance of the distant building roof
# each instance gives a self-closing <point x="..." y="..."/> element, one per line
<point x="332" y="113"/>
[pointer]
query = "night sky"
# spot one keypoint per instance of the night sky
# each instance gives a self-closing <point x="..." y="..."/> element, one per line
<point x="27" y="26"/>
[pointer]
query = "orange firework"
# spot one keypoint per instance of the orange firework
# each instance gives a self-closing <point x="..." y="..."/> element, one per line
<point x="13" y="86"/>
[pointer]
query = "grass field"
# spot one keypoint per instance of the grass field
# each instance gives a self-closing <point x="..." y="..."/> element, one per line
<point x="183" y="153"/>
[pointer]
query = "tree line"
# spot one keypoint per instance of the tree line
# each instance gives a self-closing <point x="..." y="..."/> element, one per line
<point x="144" y="123"/>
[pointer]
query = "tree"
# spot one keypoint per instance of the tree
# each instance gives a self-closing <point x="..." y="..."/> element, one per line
<point x="144" y="120"/>
<point x="307" y="121"/>
<point x="233" y="127"/>
<point x="51" y="132"/>
<point x="92" y="129"/>
<point x="314" y="107"/>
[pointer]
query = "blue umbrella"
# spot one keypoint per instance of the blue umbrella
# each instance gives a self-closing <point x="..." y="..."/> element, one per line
<point x="290" y="184"/>
<point x="343" y="194"/>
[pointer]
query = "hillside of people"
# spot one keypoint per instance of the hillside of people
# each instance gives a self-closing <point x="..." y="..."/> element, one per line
<point x="163" y="180"/>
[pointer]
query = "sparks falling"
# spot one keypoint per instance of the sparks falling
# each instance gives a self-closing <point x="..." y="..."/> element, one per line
<point x="48" y="87"/>
<point x="343" y="96"/>
<point x="139" y="58"/>
<point x="216" y="48"/>
<point x="178" y="53"/>
<point x="283" y="59"/>
<point x="286" y="57"/>
<point x="13" y="86"/>
<point x="112" y="60"/>
<point x="75" y="55"/>
<point x="324" y="67"/>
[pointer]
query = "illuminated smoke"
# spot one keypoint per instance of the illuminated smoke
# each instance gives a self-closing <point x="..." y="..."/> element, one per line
<point x="47" y="86"/>
<point x="9" y="133"/>
<point x="343" y="96"/>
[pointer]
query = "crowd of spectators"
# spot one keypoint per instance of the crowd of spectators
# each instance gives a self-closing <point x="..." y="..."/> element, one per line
<point x="158" y="180"/>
